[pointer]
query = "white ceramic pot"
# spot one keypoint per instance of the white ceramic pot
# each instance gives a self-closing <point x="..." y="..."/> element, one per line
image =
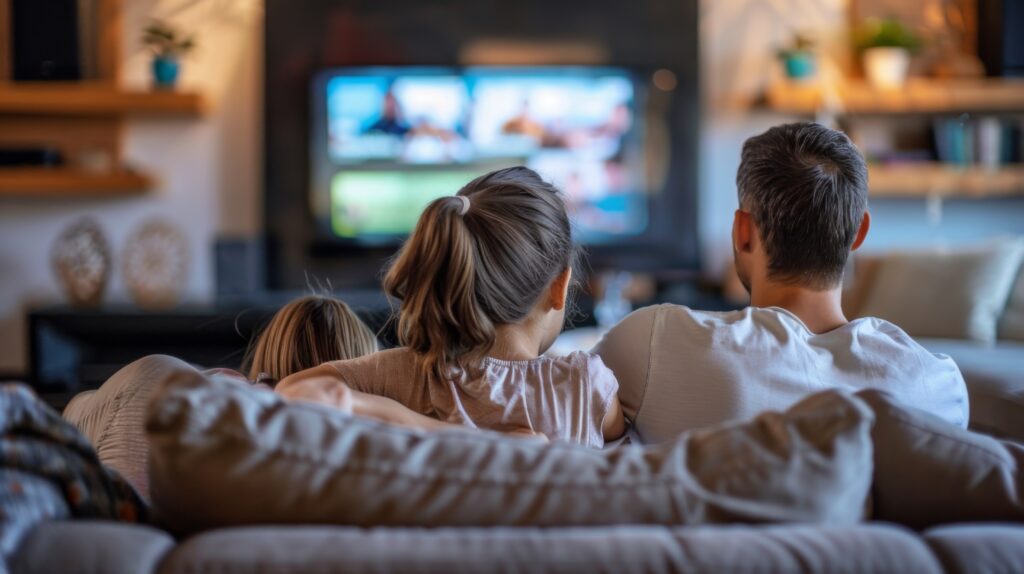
<point x="886" y="68"/>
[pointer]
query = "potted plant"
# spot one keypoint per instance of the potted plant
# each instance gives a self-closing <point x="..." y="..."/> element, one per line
<point x="799" y="58"/>
<point x="885" y="47"/>
<point x="168" y="45"/>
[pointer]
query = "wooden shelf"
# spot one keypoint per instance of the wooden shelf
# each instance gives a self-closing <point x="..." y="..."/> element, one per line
<point x="68" y="182"/>
<point x="941" y="180"/>
<point x="918" y="96"/>
<point x="94" y="99"/>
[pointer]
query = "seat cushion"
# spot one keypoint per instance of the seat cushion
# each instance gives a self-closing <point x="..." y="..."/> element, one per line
<point x="91" y="546"/>
<point x="623" y="549"/>
<point x="225" y="454"/>
<point x="965" y="549"/>
<point x="995" y="383"/>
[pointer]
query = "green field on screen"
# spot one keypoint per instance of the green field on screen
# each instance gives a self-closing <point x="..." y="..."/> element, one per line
<point x="388" y="202"/>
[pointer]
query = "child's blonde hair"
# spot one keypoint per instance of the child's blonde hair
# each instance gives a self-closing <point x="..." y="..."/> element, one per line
<point x="477" y="260"/>
<point x="305" y="333"/>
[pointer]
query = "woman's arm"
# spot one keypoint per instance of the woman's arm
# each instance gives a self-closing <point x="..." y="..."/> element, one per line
<point x="323" y="385"/>
<point x="614" y="425"/>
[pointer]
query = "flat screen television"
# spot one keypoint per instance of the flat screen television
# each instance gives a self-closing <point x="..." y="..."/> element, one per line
<point x="388" y="140"/>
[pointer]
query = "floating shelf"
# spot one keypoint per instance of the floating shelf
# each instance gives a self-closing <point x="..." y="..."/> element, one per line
<point x="67" y="182"/>
<point x="94" y="99"/>
<point x="941" y="180"/>
<point x="918" y="96"/>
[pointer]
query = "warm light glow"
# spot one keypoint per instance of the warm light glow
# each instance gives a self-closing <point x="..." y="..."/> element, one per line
<point x="664" y="80"/>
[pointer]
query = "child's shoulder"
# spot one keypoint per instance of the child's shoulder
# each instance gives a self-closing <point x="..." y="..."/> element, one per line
<point x="588" y="363"/>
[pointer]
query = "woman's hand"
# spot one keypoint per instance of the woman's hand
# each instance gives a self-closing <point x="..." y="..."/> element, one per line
<point x="524" y="432"/>
<point x="324" y="390"/>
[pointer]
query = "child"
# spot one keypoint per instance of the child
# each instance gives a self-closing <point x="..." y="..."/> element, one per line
<point x="307" y="332"/>
<point x="483" y="281"/>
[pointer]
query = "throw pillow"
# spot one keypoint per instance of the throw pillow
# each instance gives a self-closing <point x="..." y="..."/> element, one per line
<point x="948" y="294"/>
<point x="1012" y="324"/>
<point x="225" y="454"/>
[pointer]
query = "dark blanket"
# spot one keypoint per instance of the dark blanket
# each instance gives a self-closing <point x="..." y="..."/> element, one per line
<point x="48" y="470"/>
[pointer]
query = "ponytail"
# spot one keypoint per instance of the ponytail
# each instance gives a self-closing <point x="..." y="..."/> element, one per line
<point x="479" y="259"/>
<point x="435" y="277"/>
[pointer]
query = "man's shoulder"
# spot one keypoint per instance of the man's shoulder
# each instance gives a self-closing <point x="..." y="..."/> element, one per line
<point x="675" y="312"/>
<point x="891" y="335"/>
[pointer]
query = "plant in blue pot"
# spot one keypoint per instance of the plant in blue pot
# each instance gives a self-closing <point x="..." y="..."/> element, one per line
<point x="799" y="59"/>
<point x="168" y="45"/>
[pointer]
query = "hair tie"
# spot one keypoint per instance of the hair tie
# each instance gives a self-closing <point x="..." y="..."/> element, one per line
<point x="465" y="204"/>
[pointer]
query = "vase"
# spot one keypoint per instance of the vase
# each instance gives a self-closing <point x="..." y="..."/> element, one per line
<point x="165" y="72"/>
<point x="800" y="66"/>
<point x="886" y="68"/>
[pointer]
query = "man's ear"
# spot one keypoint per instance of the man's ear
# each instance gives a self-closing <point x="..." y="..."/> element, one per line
<point x="742" y="231"/>
<point x="862" y="232"/>
<point x="559" y="292"/>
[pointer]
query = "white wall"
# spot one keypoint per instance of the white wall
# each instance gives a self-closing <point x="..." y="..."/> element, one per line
<point x="209" y="169"/>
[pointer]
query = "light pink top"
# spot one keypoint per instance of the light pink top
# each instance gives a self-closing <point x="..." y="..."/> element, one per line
<point x="561" y="397"/>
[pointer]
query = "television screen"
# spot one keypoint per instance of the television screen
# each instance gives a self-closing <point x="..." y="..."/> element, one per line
<point x="387" y="141"/>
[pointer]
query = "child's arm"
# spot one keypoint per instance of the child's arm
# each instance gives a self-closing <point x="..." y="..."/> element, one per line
<point x="614" y="425"/>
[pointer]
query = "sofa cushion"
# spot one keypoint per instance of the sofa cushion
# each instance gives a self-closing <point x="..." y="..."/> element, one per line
<point x="91" y="546"/>
<point x="788" y="548"/>
<point x="928" y="472"/>
<point x="226" y="454"/>
<point x="995" y="383"/>
<point x="978" y="548"/>
<point x="957" y="294"/>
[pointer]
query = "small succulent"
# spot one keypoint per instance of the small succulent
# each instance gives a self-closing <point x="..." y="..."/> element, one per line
<point x="167" y="41"/>
<point x="886" y="33"/>
<point x="802" y="44"/>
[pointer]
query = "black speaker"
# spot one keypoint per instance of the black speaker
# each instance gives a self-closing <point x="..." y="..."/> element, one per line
<point x="239" y="267"/>
<point x="1000" y="41"/>
<point x="45" y="40"/>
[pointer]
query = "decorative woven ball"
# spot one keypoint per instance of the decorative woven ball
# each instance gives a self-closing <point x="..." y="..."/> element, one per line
<point x="155" y="265"/>
<point x="81" y="259"/>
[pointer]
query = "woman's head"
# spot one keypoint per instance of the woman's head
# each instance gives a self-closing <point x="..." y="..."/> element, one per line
<point x="492" y="255"/>
<point x="305" y="333"/>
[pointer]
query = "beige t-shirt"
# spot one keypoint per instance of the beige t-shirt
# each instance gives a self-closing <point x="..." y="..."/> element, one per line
<point x="561" y="397"/>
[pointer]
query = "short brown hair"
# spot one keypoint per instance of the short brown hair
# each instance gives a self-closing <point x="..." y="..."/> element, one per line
<point x="806" y="187"/>
<point x="461" y="274"/>
<point x="305" y="333"/>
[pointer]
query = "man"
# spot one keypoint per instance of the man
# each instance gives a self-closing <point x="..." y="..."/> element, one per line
<point x="803" y="209"/>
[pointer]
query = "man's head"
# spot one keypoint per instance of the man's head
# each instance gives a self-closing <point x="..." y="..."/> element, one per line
<point x="803" y="206"/>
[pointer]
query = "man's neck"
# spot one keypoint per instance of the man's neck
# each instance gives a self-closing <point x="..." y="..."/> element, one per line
<point x="820" y="311"/>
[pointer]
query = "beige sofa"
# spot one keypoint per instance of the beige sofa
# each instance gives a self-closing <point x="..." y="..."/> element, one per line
<point x="909" y="536"/>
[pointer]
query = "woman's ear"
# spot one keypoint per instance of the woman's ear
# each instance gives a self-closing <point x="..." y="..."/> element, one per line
<point x="559" y="291"/>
